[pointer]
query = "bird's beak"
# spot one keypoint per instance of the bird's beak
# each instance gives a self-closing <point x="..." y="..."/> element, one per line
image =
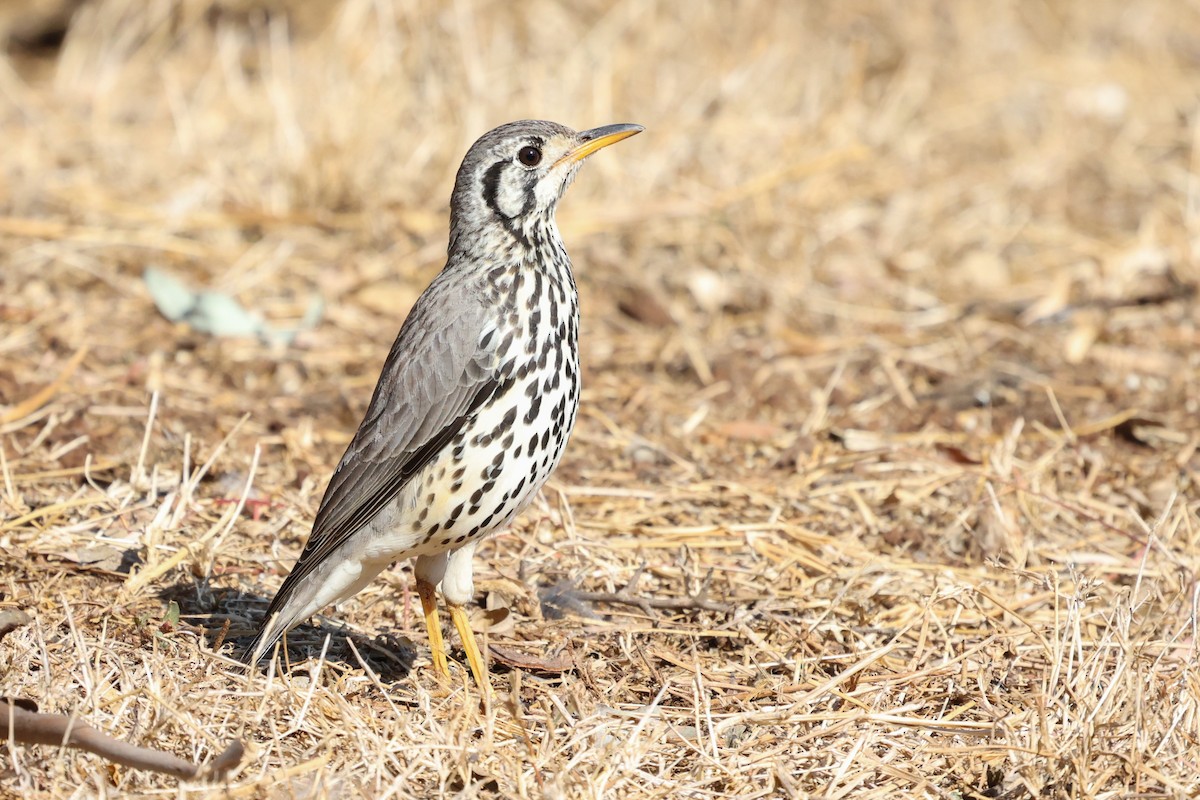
<point x="596" y="139"/>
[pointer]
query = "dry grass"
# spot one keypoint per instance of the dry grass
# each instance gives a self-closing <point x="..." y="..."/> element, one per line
<point x="890" y="340"/>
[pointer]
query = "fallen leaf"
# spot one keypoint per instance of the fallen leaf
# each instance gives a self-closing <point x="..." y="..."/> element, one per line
<point x="497" y="621"/>
<point x="646" y="307"/>
<point x="956" y="454"/>
<point x="217" y="313"/>
<point x="12" y="619"/>
<point x="517" y="659"/>
<point x="859" y="441"/>
<point x="99" y="557"/>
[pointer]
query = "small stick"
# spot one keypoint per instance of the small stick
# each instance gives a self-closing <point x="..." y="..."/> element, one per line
<point x="625" y="596"/>
<point x="30" y="727"/>
<point x="39" y="399"/>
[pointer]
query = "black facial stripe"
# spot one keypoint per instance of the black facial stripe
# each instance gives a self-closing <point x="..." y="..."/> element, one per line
<point x="491" y="191"/>
<point x="491" y="188"/>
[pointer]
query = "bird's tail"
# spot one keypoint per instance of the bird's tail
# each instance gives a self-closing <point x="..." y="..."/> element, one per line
<point x="292" y="604"/>
<point x="268" y="634"/>
<point x="304" y="594"/>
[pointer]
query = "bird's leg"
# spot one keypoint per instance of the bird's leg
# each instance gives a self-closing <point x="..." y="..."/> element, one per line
<point x="437" y="648"/>
<point x="458" y="588"/>
<point x="474" y="657"/>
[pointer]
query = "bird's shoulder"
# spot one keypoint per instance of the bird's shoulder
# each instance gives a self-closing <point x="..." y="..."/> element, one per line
<point x="438" y="358"/>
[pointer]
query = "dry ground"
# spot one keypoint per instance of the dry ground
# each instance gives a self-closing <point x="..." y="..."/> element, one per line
<point x="890" y="337"/>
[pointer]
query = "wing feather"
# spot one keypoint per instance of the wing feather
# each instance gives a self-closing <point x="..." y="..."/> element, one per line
<point x="435" y="377"/>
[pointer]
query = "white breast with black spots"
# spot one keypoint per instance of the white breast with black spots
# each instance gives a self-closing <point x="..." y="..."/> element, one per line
<point x="500" y="460"/>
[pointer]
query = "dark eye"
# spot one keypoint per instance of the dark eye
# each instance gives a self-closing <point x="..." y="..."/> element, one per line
<point x="530" y="156"/>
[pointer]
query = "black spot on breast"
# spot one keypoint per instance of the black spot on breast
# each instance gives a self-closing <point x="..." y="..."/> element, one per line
<point x="535" y="320"/>
<point x="535" y="407"/>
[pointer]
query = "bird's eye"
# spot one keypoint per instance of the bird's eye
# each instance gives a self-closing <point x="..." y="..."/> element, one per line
<point x="530" y="156"/>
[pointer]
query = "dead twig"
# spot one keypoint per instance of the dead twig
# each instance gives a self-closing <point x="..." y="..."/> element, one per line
<point x="699" y="600"/>
<point x="28" y="726"/>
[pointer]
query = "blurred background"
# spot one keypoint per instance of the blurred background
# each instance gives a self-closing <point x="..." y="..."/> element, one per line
<point x="885" y="293"/>
<point x="841" y="216"/>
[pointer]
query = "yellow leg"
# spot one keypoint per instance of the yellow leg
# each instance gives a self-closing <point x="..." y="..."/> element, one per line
<point x="437" y="648"/>
<point x="474" y="657"/>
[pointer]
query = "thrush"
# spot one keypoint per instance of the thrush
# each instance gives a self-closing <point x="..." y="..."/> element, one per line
<point x="476" y="399"/>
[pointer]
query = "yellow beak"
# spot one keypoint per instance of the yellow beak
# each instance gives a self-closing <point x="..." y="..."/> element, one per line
<point x="596" y="139"/>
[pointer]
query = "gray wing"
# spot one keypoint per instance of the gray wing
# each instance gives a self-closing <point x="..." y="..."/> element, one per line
<point x="436" y="375"/>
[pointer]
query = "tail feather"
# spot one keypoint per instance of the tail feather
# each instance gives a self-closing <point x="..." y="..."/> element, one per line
<point x="301" y="596"/>
<point x="269" y="632"/>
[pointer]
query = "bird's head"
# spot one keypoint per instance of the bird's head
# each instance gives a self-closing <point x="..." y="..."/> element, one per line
<point x="514" y="175"/>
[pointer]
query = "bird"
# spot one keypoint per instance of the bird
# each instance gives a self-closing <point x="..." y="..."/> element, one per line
<point x="475" y="401"/>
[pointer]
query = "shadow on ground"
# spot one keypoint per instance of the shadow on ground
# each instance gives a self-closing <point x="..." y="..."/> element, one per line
<point x="389" y="655"/>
